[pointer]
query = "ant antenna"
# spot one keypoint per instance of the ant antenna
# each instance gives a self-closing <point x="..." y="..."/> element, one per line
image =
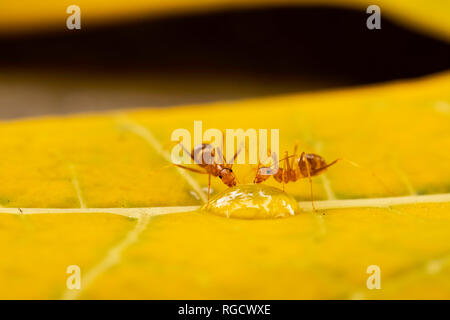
<point x="354" y="164"/>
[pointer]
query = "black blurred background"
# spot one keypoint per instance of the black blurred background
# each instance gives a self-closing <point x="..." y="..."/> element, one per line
<point x="207" y="57"/>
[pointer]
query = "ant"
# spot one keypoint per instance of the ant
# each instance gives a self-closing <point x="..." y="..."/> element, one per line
<point x="307" y="165"/>
<point x="211" y="168"/>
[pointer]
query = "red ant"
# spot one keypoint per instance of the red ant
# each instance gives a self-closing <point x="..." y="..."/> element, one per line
<point x="307" y="165"/>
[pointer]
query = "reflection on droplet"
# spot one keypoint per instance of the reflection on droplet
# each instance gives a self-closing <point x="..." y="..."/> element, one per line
<point x="252" y="201"/>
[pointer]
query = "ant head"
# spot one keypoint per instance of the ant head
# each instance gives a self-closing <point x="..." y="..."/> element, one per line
<point x="228" y="177"/>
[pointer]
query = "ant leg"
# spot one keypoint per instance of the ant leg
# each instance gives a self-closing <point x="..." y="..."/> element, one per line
<point x="257" y="171"/>
<point x="295" y="154"/>
<point x="284" y="176"/>
<point x="295" y="172"/>
<point x="308" y="169"/>
<point x="288" y="164"/>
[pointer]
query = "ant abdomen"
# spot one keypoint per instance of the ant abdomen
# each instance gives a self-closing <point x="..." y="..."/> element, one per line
<point x="316" y="163"/>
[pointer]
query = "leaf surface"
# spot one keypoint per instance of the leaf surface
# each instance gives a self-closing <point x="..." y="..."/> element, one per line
<point x="119" y="160"/>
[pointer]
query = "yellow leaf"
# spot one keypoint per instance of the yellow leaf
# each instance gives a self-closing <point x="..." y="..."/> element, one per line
<point x="118" y="161"/>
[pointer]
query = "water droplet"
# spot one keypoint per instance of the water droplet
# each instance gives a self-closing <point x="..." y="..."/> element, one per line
<point x="252" y="201"/>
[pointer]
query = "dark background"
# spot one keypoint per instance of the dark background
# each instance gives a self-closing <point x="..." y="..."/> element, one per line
<point x="207" y="57"/>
